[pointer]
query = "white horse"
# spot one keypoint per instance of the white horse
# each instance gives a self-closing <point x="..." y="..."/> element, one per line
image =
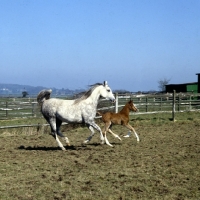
<point x="81" y="110"/>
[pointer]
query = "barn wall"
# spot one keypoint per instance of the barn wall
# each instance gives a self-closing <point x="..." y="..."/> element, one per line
<point x="178" y="87"/>
<point x="198" y="82"/>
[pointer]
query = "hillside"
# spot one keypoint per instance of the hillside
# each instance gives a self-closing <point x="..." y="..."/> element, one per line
<point x="16" y="90"/>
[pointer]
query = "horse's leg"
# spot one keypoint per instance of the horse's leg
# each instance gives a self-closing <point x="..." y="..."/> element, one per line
<point x="52" y="123"/>
<point x="132" y="129"/>
<point x="92" y="125"/>
<point x="58" y="124"/>
<point x="92" y="134"/>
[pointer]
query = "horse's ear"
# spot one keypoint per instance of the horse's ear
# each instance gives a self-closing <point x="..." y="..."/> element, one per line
<point x="105" y="83"/>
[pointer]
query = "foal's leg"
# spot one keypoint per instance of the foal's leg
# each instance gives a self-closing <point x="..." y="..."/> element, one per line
<point x="52" y="123"/>
<point x="58" y="124"/>
<point x="108" y="126"/>
<point x="103" y="136"/>
<point x="132" y="129"/>
<point x="115" y="135"/>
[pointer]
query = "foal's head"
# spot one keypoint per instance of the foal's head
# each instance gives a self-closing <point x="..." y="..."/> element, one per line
<point x="131" y="106"/>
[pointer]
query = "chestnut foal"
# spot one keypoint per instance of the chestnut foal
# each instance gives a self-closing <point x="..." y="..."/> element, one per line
<point x="120" y="118"/>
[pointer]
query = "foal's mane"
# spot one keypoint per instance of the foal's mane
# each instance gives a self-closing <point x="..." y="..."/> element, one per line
<point x="88" y="93"/>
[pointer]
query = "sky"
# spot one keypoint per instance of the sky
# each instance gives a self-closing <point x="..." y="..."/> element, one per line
<point x="71" y="44"/>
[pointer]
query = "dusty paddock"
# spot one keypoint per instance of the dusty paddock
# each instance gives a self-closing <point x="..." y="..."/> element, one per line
<point x="164" y="165"/>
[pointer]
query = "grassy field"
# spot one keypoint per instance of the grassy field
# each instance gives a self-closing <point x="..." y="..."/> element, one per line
<point x="164" y="165"/>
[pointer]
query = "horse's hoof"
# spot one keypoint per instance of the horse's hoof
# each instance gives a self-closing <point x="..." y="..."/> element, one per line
<point x="85" y="142"/>
<point x="102" y="141"/>
<point x="119" y="138"/>
<point x="126" y="136"/>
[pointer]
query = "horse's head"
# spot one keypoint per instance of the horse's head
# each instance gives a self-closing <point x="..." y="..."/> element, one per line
<point x="106" y="92"/>
<point x="132" y="106"/>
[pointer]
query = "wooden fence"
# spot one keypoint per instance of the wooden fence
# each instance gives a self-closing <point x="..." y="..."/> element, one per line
<point x="18" y="107"/>
<point x="150" y="103"/>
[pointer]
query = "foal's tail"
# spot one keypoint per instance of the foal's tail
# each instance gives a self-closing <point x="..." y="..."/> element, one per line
<point x="100" y="113"/>
<point x="43" y="95"/>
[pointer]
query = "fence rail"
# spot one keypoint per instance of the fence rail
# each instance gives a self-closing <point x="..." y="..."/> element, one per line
<point x="151" y="103"/>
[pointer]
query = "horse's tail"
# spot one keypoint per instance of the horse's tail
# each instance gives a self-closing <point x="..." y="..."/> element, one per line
<point x="43" y="95"/>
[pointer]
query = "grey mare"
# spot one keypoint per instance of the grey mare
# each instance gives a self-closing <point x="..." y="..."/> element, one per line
<point x="81" y="110"/>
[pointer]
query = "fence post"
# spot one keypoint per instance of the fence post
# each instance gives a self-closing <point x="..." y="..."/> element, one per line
<point x="160" y="103"/>
<point x="190" y="107"/>
<point x="33" y="110"/>
<point x="6" y="109"/>
<point x="146" y="104"/>
<point x="173" y="105"/>
<point x="116" y="102"/>
<point x="179" y="102"/>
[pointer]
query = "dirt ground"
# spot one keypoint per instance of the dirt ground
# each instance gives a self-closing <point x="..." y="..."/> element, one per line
<point x="165" y="164"/>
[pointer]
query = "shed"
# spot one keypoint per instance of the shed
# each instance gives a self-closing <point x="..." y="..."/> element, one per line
<point x="184" y="87"/>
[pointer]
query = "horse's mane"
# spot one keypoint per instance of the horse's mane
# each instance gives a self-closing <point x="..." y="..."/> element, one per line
<point x="88" y="93"/>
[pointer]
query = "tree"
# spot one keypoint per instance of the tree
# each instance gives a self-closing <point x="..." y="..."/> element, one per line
<point x="24" y="94"/>
<point x="162" y="83"/>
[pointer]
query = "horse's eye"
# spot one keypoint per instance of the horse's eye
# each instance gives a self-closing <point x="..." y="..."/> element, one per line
<point x="108" y="90"/>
